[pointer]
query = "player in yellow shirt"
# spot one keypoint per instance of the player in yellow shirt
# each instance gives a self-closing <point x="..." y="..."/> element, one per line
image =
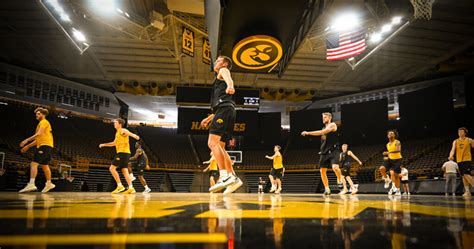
<point x="392" y="163"/>
<point x="277" y="171"/>
<point x="122" y="146"/>
<point x="43" y="140"/>
<point x="462" y="147"/>
<point x="213" y="170"/>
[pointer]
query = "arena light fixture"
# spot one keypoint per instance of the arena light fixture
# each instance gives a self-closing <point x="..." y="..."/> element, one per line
<point x="105" y="7"/>
<point x="78" y="35"/>
<point x="396" y="20"/>
<point x="61" y="14"/>
<point x="386" y="28"/>
<point x="346" y="21"/>
<point x="376" y="37"/>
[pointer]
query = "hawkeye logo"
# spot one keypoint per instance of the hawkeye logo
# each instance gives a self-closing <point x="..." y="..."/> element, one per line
<point x="220" y="121"/>
<point x="257" y="52"/>
<point x="196" y="126"/>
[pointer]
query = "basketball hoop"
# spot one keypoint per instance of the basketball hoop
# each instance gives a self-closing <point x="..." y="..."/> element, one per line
<point x="423" y="9"/>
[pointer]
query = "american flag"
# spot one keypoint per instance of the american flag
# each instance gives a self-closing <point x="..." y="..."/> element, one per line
<point x="341" y="45"/>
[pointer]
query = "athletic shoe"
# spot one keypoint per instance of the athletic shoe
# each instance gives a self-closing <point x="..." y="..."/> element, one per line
<point x="273" y="189"/>
<point x="119" y="189"/>
<point x="147" y="190"/>
<point x="343" y="192"/>
<point x="466" y="194"/>
<point x="387" y="182"/>
<point x="454" y="194"/>
<point x="397" y="192"/>
<point x="278" y="191"/>
<point x="327" y="192"/>
<point x="29" y="188"/>
<point x="48" y="187"/>
<point x="223" y="183"/>
<point x="445" y="194"/>
<point x="339" y="183"/>
<point x="233" y="187"/>
<point x="354" y="191"/>
<point x="404" y="193"/>
<point x="391" y="191"/>
<point x="408" y="193"/>
<point x="130" y="190"/>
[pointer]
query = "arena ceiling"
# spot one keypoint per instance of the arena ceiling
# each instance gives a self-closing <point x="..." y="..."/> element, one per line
<point x="127" y="51"/>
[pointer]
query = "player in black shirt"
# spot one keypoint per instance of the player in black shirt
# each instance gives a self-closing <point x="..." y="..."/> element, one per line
<point x="329" y="150"/>
<point x="222" y="125"/>
<point x="139" y="162"/>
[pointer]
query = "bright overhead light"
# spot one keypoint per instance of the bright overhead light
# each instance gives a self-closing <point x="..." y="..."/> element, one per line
<point x="376" y="37"/>
<point x="119" y="10"/>
<point x="396" y="20"/>
<point x="127" y="14"/>
<point x="103" y="6"/>
<point x="346" y="22"/>
<point x="386" y="28"/>
<point x="78" y="35"/>
<point x="65" y="17"/>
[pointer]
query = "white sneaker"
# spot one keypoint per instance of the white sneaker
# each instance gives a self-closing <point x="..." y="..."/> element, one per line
<point x="408" y="193"/>
<point x="466" y="194"/>
<point x="391" y="191"/>
<point x="48" y="187"/>
<point x="404" y="193"/>
<point x="223" y="183"/>
<point x="147" y="190"/>
<point x="273" y="189"/>
<point x="397" y="192"/>
<point x="387" y="182"/>
<point x="29" y="188"/>
<point x="278" y="191"/>
<point x="327" y="192"/>
<point x="343" y="192"/>
<point x="354" y="191"/>
<point x="233" y="187"/>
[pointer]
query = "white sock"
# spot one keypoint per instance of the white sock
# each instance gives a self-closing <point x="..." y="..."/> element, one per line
<point x="130" y="186"/>
<point x="32" y="181"/>
<point x="48" y="182"/>
<point x="119" y="185"/>
<point x="466" y="188"/>
<point x="223" y="173"/>
<point x="146" y="187"/>
<point x="131" y="175"/>
<point x="327" y="189"/>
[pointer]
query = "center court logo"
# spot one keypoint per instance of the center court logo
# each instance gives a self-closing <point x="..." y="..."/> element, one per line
<point x="257" y="52"/>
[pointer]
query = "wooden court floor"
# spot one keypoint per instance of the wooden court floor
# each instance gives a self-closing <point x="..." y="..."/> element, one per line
<point x="195" y="220"/>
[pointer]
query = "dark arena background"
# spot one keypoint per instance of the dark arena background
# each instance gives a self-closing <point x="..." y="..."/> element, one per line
<point x="375" y="65"/>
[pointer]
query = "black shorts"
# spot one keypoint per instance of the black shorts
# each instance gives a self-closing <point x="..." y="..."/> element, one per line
<point x="139" y="167"/>
<point x="465" y="167"/>
<point x="405" y="182"/>
<point x="43" y="155"/>
<point x="276" y="173"/>
<point x="346" y="170"/>
<point x="393" y="164"/>
<point x="214" y="174"/>
<point x="327" y="160"/>
<point x="223" y="123"/>
<point x="121" y="160"/>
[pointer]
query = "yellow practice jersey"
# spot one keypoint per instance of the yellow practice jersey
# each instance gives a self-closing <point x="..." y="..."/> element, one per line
<point x="122" y="144"/>
<point x="391" y="147"/>
<point x="213" y="165"/>
<point x="278" y="162"/>
<point x="45" y="139"/>
<point x="463" y="150"/>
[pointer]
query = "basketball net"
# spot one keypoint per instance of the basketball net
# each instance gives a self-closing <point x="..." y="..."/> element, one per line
<point x="422" y="9"/>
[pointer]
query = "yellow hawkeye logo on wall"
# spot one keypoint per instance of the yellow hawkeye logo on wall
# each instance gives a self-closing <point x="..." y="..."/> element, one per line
<point x="257" y="52"/>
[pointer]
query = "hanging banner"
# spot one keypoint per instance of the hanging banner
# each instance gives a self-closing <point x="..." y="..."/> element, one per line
<point x="206" y="51"/>
<point x="188" y="42"/>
